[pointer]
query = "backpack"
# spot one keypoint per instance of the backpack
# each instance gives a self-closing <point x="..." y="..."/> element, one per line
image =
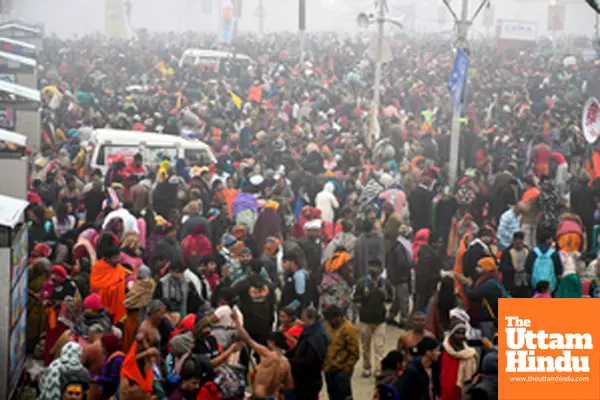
<point x="543" y="268"/>
<point x="503" y="295"/>
<point x="388" y="392"/>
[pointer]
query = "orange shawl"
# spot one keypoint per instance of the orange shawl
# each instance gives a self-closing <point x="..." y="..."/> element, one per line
<point x="131" y="371"/>
<point x="458" y="263"/>
<point x="109" y="282"/>
<point x="530" y="194"/>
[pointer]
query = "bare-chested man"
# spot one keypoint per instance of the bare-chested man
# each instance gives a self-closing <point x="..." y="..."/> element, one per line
<point x="411" y="338"/>
<point x="274" y="373"/>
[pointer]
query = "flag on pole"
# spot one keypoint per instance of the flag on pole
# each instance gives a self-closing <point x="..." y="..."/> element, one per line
<point x="236" y="99"/>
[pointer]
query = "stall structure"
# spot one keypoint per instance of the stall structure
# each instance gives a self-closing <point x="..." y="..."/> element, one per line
<point x="24" y="32"/>
<point x="14" y="164"/>
<point x="13" y="293"/>
<point x="18" y="69"/>
<point x="18" y="47"/>
<point x="21" y="112"/>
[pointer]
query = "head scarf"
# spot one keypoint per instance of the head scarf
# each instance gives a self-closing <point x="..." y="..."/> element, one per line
<point x="59" y="270"/>
<point x="41" y="250"/>
<point x="271" y="246"/>
<point x="337" y="260"/>
<point x="131" y="241"/>
<point x="69" y="362"/>
<point x="272" y="204"/>
<point x="487" y="263"/>
<point x="192" y="208"/>
<point x="182" y="344"/>
<point x="93" y="302"/>
<point x="111" y="343"/>
<point x="228" y="240"/>
<point x="139" y="197"/>
<point x="199" y="229"/>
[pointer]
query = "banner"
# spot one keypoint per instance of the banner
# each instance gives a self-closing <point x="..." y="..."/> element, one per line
<point x="556" y="18"/>
<point x="590" y="120"/>
<point x="116" y="24"/>
<point x="226" y="31"/>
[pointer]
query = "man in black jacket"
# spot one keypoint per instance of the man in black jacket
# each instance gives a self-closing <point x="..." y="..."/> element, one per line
<point x="399" y="262"/>
<point x="257" y="302"/>
<point x="371" y="294"/>
<point x="478" y="249"/>
<point x="419" y="204"/>
<point x="512" y="265"/>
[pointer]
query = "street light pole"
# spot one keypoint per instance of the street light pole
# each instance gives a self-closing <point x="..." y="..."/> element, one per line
<point x="374" y="128"/>
<point x="302" y="27"/>
<point x="462" y="27"/>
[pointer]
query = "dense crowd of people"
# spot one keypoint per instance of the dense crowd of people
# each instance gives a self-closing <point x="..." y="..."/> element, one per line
<point x="273" y="271"/>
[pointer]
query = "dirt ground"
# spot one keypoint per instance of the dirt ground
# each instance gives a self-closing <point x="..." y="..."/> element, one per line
<point x="362" y="388"/>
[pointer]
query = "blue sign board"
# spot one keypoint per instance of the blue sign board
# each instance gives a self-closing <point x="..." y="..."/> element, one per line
<point x="458" y="78"/>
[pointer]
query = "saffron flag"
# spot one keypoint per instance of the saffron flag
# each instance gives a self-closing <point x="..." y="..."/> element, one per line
<point x="255" y="93"/>
<point x="178" y="104"/>
<point x="236" y="99"/>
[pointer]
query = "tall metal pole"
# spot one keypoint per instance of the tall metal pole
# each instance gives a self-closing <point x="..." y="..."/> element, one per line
<point x="302" y="27"/>
<point x="261" y="17"/>
<point x="462" y="27"/>
<point x="375" y="130"/>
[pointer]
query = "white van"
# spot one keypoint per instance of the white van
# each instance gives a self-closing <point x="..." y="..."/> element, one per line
<point x="109" y="144"/>
<point x="210" y="58"/>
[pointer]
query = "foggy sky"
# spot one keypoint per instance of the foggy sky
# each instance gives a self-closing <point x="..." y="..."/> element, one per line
<point x="71" y="17"/>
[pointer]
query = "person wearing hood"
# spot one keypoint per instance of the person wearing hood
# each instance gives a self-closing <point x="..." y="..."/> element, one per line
<point x="428" y="270"/>
<point x="245" y="209"/>
<point x="417" y="382"/>
<point x="196" y="244"/>
<point x="308" y="357"/>
<point x="109" y="379"/>
<point x="368" y="246"/>
<point x="399" y="262"/>
<point x="484" y="385"/>
<point x="170" y="246"/>
<point x="478" y="249"/>
<point x="419" y="203"/>
<point x="485" y="291"/>
<point x="108" y="277"/>
<point x="192" y="215"/>
<point x="164" y="197"/>
<point x="327" y="202"/>
<point x="268" y="224"/>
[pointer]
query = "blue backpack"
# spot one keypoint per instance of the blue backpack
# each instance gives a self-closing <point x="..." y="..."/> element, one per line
<point x="388" y="392"/>
<point x="543" y="268"/>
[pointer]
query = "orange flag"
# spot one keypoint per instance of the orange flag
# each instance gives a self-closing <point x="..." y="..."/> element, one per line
<point x="255" y="93"/>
